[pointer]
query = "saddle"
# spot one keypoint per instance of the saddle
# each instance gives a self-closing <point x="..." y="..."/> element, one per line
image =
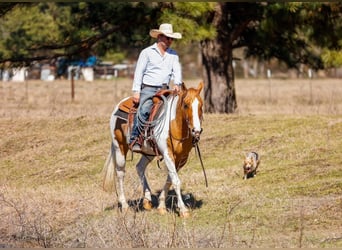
<point x="128" y="110"/>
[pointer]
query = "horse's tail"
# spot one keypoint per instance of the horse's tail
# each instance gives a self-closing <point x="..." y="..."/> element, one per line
<point x="108" y="171"/>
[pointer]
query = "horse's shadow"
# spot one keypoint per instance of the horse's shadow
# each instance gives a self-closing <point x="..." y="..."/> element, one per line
<point x="171" y="202"/>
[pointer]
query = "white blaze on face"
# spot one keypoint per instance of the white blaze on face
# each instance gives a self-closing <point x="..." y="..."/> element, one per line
<point x="195" y="116"/>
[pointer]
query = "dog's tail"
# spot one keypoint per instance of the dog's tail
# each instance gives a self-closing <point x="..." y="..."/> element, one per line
<point x="257" y="160"/>
<point x="256" y="155"/>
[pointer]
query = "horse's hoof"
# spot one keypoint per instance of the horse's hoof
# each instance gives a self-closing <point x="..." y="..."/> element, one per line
<point x="147" y="205"/>
<point x="123" y="207"/>
<point x="124" y="210"/>
<point x="185" y="214"/>
<point x="162" y="210"/>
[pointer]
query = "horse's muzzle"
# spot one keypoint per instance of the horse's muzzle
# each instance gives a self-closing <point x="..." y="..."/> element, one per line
<point x="196" y="135"/>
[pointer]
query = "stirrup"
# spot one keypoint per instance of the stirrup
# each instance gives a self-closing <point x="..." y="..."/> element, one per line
<point x="135" y="146"/>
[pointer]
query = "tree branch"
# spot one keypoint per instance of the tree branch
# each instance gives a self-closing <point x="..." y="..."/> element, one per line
<point x="81" y="46"/>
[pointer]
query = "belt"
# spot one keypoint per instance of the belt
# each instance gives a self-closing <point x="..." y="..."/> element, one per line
<point x="163" y="86"/>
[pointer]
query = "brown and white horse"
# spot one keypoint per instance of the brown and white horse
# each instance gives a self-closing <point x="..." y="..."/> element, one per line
<point x="179" y="127"/>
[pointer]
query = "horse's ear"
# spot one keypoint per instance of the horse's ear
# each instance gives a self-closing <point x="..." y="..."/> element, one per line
<point x="183" y="86"/>
<point x="200" y="87"/>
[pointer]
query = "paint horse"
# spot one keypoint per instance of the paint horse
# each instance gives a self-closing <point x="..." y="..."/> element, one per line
<point x="178" y="130"/>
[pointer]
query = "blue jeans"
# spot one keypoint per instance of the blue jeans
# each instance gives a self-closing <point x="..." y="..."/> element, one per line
<point x="144" y="109"/>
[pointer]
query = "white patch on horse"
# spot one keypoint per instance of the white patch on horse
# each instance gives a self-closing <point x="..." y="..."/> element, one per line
<point x="162" y="140"/>
<point x="195" y="115"/>
<point x="173" y="104"/>
<point x="170" y="115"/>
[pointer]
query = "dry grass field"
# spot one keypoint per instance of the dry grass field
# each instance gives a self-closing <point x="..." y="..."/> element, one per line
<point x="52" y="151"/>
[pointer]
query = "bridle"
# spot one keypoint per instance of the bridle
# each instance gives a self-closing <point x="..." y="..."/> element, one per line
<point x="195" y="135"/>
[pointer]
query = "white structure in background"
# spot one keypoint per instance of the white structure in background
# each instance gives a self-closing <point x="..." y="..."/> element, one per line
<point x="107" y="70"/>
<point x="5" y="74"/>
<point x="118" y="67"/>
<point x="19" y="74"/>
<point x="269" y="73"/>
<point x="46" y="73"/>
<point x="76" y="70"/>
<point x="88" y="74"/>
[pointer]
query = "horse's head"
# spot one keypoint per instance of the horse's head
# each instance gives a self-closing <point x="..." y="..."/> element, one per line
<point x="192" y="106"/>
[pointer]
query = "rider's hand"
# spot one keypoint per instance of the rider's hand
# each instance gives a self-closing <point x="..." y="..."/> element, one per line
<point x="136" y="98"/>
<point x="176" y="88"/>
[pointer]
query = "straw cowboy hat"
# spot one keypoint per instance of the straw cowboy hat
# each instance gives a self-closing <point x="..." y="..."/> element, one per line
<point x="166" y="30"/>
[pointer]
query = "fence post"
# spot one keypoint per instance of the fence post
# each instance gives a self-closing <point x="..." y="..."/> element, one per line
<point x="269" y="74"/>
<point x="310" y="83"/>
<point x="72" y="84"/>
<point x="26" y="86"/>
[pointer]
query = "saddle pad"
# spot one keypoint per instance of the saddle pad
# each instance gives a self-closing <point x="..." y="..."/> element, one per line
<point x="121" y="114"/>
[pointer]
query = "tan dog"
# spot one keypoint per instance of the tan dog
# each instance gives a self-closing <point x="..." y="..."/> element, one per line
<point x="250" y="165"/>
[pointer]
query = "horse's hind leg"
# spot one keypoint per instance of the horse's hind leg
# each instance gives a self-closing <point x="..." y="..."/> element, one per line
<point x="120" y="163"/>
<point x="141" y="167"/>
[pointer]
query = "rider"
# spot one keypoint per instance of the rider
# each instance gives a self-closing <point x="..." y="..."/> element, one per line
<point x="156" y="65"/>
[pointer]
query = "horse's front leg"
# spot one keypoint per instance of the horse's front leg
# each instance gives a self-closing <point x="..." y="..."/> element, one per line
<point x="141" y="167"/>
<point x="183" y="210"/>
<point x="163" y="195"/>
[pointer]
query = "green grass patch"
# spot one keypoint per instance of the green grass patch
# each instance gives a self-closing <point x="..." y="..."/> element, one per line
<point x="300" y="166"/>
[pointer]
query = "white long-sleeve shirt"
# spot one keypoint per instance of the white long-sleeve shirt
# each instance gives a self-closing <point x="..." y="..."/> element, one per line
<point x="154" y="69"/>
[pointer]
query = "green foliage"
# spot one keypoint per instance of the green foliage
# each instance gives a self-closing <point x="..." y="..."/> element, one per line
<point x="324" y="29"/>
<point x="190" y="18"/>
<point x="285" y="34"/>
<point x="27" y="27"/>
<point x="115" y="57"/>
<point x="332" y="58"/>
<point x="294" y="32"/>
<point x="38" y="31"/>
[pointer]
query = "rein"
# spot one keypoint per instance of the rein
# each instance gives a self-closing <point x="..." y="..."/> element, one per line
<point x="200" y="157"/>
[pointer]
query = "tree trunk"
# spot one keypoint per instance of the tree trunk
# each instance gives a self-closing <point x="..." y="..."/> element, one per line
<point x="218" y="72"/>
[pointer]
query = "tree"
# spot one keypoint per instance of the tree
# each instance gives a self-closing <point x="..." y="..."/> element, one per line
<point x="290" y="32"/>
<point x="39" y="31"/>
<point x="295" y="33"/>
<point x="217" y="53"/>
<point x="329" y="37"/>
<point x="26" y="28"/>
<point x="6" y="7"/>
<point x="218" y="27"/>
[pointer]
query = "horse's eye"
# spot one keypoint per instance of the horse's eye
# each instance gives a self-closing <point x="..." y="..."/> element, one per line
<point x="186" y="106"/>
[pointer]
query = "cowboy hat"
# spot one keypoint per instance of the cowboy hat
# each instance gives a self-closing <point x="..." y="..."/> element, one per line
<point x="166" y="30"/>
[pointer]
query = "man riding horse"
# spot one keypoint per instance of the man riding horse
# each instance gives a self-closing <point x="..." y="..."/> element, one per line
<point x="156" y="66"/>
<point x="176" y="126"/>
